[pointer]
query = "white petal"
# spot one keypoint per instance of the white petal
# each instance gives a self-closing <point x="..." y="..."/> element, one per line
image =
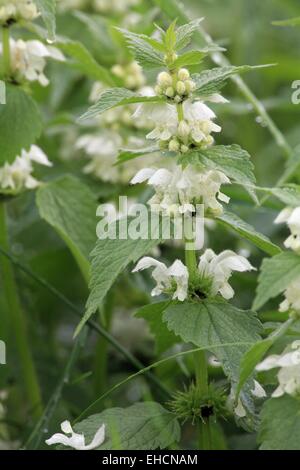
<point x="147" y="262"/>
<point x="59" y="439"/>
<point x="161" y="177"/>
<point x="278" y="392"/>
<point x="283" y="216"/>
<point x="258" y="390"/>
<point x="66" y="427"/>
<point x="56" y="54"/>
<point x="142" y="175"/>
<point x="178" y="269"/>
<point x="37" y="155"/>
<point x="268" y="363"/>
<point x="98" y="439"/>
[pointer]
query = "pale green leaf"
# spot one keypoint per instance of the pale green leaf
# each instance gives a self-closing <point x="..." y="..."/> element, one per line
<point x="117" y="97"/>
<point x="20" y="123"/>
<point x="70" y="208"/>
<point x="275" y="276"/>
<point x="248" y="232"/>
<point x="189" y="58"/>
<point x="212" y="323"/>
<point x="184" y="33"/>
<point x="128" y="154"/>
<point x="289" y="195"/>
<point x="142" y="426"/>
<point x="143" y="51"/>
<point x="280" y="424"/>
<point x="48" y="9"/>
<point x="288" y="22"/>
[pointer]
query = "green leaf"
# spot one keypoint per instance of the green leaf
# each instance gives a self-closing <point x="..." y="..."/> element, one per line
<point x="70" y="208"/>
<point x="289" y="195"/>
<point x="47" y="9"/>
<point x="117" y="97"/>
<point x="211" y="81"/>
<point x="126" y="155"/>
<point x="84" y="61"/>
<point x="170" y="37"/>
<point x="185" y="33"/>
<point x="20" y="123"/>
<point x="189" y="58"/>
<point x="289" y="22"/>
<point x="164" y="338"/>
<point x="112" y="255"/>
<point x="257" y="352"/>
<point x="280" y="424"/>
<point x="244" y="229"/>
<point x="147" y="56"/>
<point x="230" y="159"/>
<point x="142" y="426"/>
<point x="276" y="274"/>
<point x="210" y="323"/>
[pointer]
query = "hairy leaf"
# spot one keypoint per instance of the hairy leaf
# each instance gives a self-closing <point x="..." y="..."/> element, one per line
<point x="184" y="33"/>
<point x="143" y="51"/>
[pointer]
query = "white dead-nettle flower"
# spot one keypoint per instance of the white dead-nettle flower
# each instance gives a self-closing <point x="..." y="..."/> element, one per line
<point x="289" y="373"/>
<point x="14" y="10"/>
<point x="217" y="269"/>
<point x="176" y="191"/>
<point x="291" y="216"/>
<point x="194" y="130"/>
<point x="238" y="408"/>
<point x="177" y="86"/>
<point x="292" y="297"/>
<point x="75" y="440"/>
<point x="28" y="60"/>
<point x="18" y="176"/>
<point x="173" y="279"/>
<point x="131" y="74"/>
<point x="114" y="6"/>
<point x="102" y="151"/>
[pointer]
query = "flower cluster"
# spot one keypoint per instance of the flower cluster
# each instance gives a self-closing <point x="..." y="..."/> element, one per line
<point x="17" y="176"/>
<point x="289" y="373"/>
<point x="28" y="60"/>
<point x="15" y="10"/>
<point x="179" y="191"/>
<point x="213" y="274"/>
<point x="131" y="74"/>
<point x="291" y="216"/>
<point x="178" y="85"/>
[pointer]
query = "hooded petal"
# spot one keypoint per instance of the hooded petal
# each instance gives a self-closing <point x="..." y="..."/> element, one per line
<point x="143" y="175"/>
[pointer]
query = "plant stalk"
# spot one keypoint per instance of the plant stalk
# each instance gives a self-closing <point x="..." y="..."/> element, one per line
<point x="18" y="323"/>
<point x="6" y="52"/>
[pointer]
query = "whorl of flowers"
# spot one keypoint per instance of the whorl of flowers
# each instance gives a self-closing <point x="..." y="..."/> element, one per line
<point x="15" y="10"/>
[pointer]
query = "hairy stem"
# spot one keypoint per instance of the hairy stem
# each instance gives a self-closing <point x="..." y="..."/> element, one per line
<point x="18" y="323"/>
<point x="6" y="52"/>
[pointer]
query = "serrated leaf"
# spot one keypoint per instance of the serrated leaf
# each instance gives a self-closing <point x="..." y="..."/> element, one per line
<point x="170" y="37"/>
<point x="210" y="323"/>
<point x="117" y="97"/>
<point x="84" y="61"/>
<point x="20" y="123"/>
<point x="112" y="255"/>
<point x="211" y="81"/>
<point x="128" y="154"/>
<point x="289" y="195"/>
<point x="143" y="51"/>
<point x="164" y="338"/>
<point x="48" y="9"/>
<point x="280" y="424"/>
<point x="230" y="159"/>
<point x="142" y="426"/>
<point x="244" y="229"/>
<point x="257" y="352"/>
<point x="70" y="208"/>
<point x="275" y="276"/>
<point x="189" y="58"/>
<point x="185" y="33"/>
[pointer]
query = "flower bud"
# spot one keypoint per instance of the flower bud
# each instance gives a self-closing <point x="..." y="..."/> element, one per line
<point x="118" y="70"/>
<point x="174" y="145"/>
<point x="158" y="90"/>
<point x="183" y="74"/>
<point x="183" y="129"/>
<point x="184" y="148"/>
<point x="177" y="99"/>
<point x="170" y="92"/>
<point x="180" y="88"/>
<point x="189" y="86"/>
<point x="170" y="57"/>
<point x="164" y="79"/>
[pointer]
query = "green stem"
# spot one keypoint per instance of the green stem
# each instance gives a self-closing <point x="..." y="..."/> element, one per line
<point x="180" y="112"/>
<point x="6" y="52"/>
<point x="18" y="323"/>
<point x="202" y="386"/>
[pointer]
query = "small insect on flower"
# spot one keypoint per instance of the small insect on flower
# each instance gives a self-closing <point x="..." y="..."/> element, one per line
<point x="76" y="440"/>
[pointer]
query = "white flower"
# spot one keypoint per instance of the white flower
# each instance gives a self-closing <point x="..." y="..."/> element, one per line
<point x="18" y="9"/>
<point x="183" y="188"/>
<point x="75" y="440"/>
<point x="175" y="277"/>
<point x="239" y="409"/>
<point x="162" y="116"/>
<point x="292" y="297"/>
<point x="291" y="216"/>
<point x="289" y="373"/>
<point x="17" y="176"/>
<point x="28" y="59"/>
<point x="218" y="269"/>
